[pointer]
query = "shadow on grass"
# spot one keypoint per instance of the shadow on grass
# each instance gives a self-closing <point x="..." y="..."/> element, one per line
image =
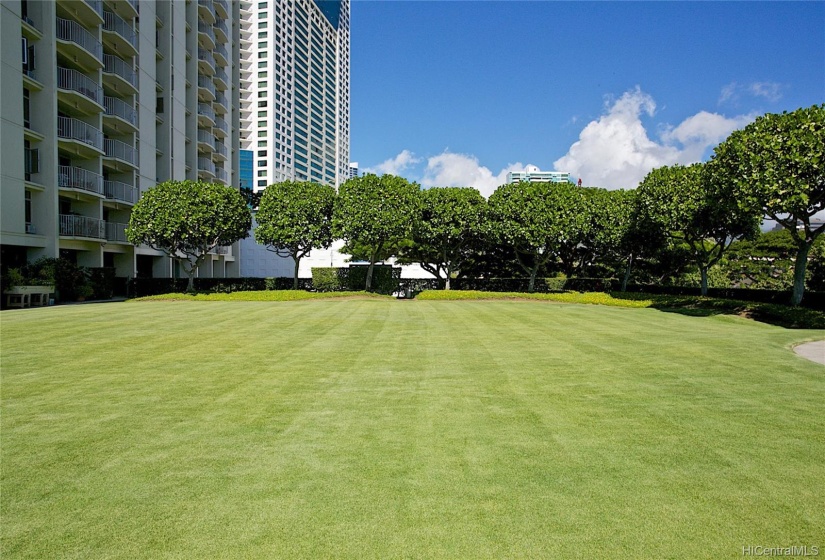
<point x="697" y="306"/>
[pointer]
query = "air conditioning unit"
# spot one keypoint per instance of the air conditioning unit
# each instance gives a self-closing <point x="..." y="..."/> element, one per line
<point x="30" y="228"/>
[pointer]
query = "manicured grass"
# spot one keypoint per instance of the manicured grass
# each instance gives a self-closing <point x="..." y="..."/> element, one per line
<point x="373" y="428"/>
<point x="263" y="295"/>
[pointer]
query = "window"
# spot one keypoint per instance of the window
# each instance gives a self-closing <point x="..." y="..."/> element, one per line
<point x="261" y="114"/>
<point x="28" y="207"/>
<point x="262" y="54"/>
<point x="263" y="34"/>
<point x="262" y="15"/>
<point x="262" y="134"/>
<point x="261" y="25"/>
<point x="261" y="153"/>
<point x="262" y="63"/>
<point x="261" y="124"/>
<point x="262" y="182"/>
<point x="262" y="5"/>
<point x="262" y="84"/>
<point x="261" y="44"/>
<point x="261" y="163"/>
<point x="262" y="74"/>
<point x="262" y="173"/>
<point x="262" y="143"/>
<point x="261" y="103"/>
<point x="262" y="93"/>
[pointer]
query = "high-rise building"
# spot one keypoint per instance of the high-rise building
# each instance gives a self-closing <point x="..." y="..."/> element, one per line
<point x="353" y="170"/>
<point x="295" y="80"/>
<point x="105" y="99"/>
<point x="533" y="174"/>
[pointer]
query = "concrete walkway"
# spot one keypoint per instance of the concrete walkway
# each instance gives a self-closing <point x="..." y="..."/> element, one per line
<point x="814" y="351"/>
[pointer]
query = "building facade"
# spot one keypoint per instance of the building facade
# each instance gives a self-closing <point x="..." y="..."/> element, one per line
<point x="295" y="79"/>
<point x="533" y="174"/>
<point x="104" y="100"/>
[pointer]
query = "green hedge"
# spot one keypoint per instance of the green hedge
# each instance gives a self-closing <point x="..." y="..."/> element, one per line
<point x="385" y="279"/>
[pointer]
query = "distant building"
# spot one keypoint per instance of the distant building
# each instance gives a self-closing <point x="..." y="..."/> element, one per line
<point x="535" y="175"/>
<point x="246" y="169"/>
<point x="353" y="169"/>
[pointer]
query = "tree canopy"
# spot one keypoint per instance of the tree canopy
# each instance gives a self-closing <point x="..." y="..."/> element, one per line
<point x="295" y="217"/>
<point x="374" y="213"/>
<point x="540" y="221"/>
<point x="681" y="202"/>
<point x="450" y="219"/>
<point x="775" y="167"/>
<point x="187" y="219"/>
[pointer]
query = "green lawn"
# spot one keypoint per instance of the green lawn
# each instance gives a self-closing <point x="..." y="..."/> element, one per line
<point x="374" y="428"/>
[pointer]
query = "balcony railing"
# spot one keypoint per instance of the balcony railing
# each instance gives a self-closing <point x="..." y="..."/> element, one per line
<point x="97" y="5"/>
<point x="118" y="66"/>
<point x="223" y="4"/>
<point x="206" y="30"/>
<point x="221" y="75"/>
<point x="76" y="178"/>
<point x="68" y="30"/>
<point x="113" y="22"/>
<point x="220" y="173"/>
<point x="205" y="137"/>
<point x="221" y="125"/>
<point x="206" y="83"/>
<point x="119" y="108"/>
<point x="73" y="80"/>
<point x="206" y="56"/>
<point x="115" y="190"/>
<point x="206" y="111"/>
<point x="221" y="50"/>
<point x="82" y="226"/>
<point x="220" y="250"/>
<point x="221" y="25"/>
<point x="206" y="165"/>
<point x="220" y="99"/>
<point x="220" y="148"/>
<point x="116" y="232"/>
<point x="120" y="150"/>
<point x="73" y="129"/>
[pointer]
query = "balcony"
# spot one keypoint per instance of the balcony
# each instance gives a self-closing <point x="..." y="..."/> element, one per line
<point x="30" y="30"/>
<point x="78" y="179"/>
<point x="220" y="250"/>
<point x="206" y="169"/>
<point x="222" y="6"/>
<point x="78" y="91"/>
<point x="119" y="35"/>
<point x="206" y="62"/>
<point x="221" y="175"/>
<point x="118" y="75"/>
<point x="220" y="104"/>
<point x="221" y="55"/>
<point x="116" y="232"/>
<point x="206" y="36"/>
<point x="76" y="43"/>
<point x="221" y="79"/>
<point x="31" y="163"/>
<point x="120" y="116"/>
<point x="79" y="137"/>
<point x="221" y="31"/>
<point x="206" y="11"/>
<point x="82" y="226"/>
<point x="87" y="12"/>
<point x="120" y="192"/>
<point x="206" y="116"/>
<point x="127" y="10"/>
<point x="220" y="153"/>
<point x="206" y="89"/>
<point x="221" y="129"/>
<point x="122" y="155"/>
<point x="206" y="142"/>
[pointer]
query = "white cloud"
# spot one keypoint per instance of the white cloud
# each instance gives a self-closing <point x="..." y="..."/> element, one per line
<point x="615" y="150"/>
<point x="394" y="166"/>
<point x="731" y="93"/>
<point x="460" y="170"/>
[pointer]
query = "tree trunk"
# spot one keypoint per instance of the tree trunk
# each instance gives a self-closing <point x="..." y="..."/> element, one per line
<point x="295" y="275"/>
<point x="703" y="270"/>
<point x="447" y="282"/>
<point x="531" y="288"/>
<point x="799" y="272"/>
<point x="626" y="277"/>
<point x="190" y="287"/>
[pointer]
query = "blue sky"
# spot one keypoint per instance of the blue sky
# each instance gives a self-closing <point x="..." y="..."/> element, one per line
<point x="458" y="92"/>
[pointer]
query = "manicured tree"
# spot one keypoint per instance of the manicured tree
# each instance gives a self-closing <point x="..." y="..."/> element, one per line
<point x="679" y="202"/>
<point x="775" y="167"/>
<point x="374" y="212"/>
<point x="450" y="219"/>
<point x="294" y="218"/>
<point x="187" y="219"/>
<point x="539" y="221"/>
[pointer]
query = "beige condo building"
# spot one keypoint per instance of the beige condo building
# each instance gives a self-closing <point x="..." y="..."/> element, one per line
<point x="101" y="100"/>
